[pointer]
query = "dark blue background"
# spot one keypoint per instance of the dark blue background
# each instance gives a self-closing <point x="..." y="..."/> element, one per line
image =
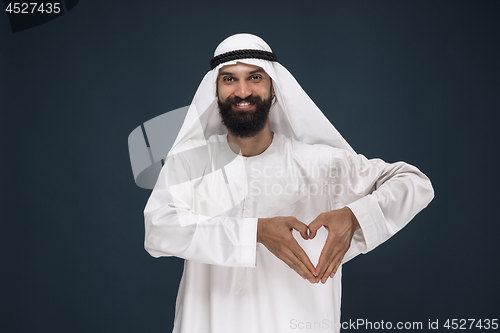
<point x="401" y="80"/>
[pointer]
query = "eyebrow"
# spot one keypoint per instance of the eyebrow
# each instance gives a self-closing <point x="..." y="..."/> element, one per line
<point x="255" y="71"/>
<point x="258" y="70"/>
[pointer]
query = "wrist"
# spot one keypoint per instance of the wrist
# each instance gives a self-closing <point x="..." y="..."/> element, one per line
<point x="354" y="221"/>
<point x="260" y="224"/>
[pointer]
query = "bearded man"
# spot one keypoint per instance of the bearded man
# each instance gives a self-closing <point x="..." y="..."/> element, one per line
<point x="265" y="201"/>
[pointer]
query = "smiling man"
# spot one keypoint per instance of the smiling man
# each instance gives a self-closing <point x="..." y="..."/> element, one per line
<point x="249" y="94"/>
<point x="265" y="201"/>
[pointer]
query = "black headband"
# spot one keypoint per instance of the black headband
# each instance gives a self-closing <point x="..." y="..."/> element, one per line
<point x="242" y="54"/>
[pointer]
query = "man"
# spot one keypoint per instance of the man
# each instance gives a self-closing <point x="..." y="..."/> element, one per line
<point x="260" y="193"/>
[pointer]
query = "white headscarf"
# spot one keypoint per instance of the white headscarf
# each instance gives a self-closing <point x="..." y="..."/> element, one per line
<point x="294" y="114"/>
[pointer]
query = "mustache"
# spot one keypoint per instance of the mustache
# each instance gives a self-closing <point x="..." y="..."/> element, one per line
<point x="250" y="99"/>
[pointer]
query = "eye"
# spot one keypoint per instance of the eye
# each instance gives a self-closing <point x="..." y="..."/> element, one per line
<point x="227" y="79"/>
<point x="256" y="77"/>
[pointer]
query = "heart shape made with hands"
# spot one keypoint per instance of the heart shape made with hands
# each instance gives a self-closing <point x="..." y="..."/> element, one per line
<point x="276" y="235"/>
<point x="340" y="225"/>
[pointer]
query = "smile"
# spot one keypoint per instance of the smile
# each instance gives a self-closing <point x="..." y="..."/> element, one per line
<point x="243" y="105"/>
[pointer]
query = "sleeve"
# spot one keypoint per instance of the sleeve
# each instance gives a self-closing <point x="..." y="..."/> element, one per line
<point x="384" y="197"/>
<point x="173" y="227"/>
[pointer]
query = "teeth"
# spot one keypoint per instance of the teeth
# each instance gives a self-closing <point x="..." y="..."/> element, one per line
<point x="243" y="104"/>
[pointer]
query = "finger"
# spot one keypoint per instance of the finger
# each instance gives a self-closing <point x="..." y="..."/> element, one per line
<point x="313" y="227"/>
<point x="333" y="251"/>
<point x="294" y="263"/>
<point x="299" y="252"/>
<point x="327" y="273"/>
<point x="338" y="264"/>
<point x="332" y="269"/>
<point x="286" y="259"/>
<point x="335" y="269"/>
<point x="335" y="260"/>
<point x="335" y="263"/>
<point x="321" y="269"/>
<point x="325" y="257"/>
<point x="300" y="227"/>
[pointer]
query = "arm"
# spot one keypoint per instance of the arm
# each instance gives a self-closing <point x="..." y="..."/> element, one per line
<point x="382" y="198"/>
<point x="173" y="228"/>
<point x="394" y="195"/>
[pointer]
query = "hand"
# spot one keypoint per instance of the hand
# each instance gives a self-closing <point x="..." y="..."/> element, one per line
<point x="276" y="235"/>
<point x="341" y="224"/>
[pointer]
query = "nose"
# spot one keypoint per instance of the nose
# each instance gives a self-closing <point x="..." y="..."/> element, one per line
<point x="243" y="90"/>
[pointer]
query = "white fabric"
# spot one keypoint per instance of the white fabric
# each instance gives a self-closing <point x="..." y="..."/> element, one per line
<point x="207" y="200"/>
<point x="231" y="283"/>
<point x="295" y="115"/>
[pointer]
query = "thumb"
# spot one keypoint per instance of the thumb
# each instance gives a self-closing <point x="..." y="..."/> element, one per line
<point x="313" y="227"/>
<point x="300" y="227"/>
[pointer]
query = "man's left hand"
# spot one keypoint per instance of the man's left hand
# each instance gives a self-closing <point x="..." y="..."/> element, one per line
<point x="341" y="224"/>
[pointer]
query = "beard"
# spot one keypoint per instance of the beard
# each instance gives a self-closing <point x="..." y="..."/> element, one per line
<point x="245" y="124"/>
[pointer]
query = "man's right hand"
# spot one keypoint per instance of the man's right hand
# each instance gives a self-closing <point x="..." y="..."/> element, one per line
<point x="276" y="235"/>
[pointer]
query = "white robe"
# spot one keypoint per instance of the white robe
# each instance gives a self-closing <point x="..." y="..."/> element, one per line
<point x="209" y="216"/>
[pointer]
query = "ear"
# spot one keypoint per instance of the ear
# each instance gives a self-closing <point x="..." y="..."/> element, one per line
<point x="272" y="89"/>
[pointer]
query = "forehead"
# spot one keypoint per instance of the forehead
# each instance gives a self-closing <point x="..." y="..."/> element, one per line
<point x="241" y="68"/>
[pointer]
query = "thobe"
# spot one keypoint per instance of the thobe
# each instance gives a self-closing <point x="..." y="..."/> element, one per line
<point x="206" y="211"/>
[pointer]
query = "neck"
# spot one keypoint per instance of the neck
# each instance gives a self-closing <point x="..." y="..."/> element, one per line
<point x="252" y="146"/>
